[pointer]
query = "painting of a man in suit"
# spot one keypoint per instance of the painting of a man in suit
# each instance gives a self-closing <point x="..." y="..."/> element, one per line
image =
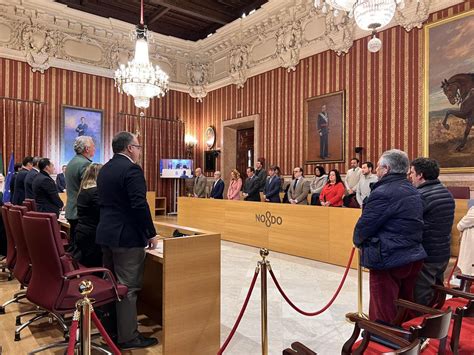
<point x="324" y="123"/>
<point x="82" y="127"/>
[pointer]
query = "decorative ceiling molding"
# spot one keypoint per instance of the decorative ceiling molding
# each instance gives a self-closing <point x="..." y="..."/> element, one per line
<point x="48" y="34"/>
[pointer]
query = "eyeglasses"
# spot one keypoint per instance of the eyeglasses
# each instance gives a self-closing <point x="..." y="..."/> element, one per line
<point x="136" y="146"/>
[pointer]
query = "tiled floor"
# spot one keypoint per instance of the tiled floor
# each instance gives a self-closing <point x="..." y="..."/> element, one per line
<point x="309" y="284"/>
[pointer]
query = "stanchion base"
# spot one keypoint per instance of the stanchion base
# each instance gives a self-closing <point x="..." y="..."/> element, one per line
<point x="362" y="315"/>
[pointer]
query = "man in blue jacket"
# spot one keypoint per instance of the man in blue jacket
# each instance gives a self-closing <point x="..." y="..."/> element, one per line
<point x="389" y="234"/>
<point x="271" y="191"/>
<point x="217" y="191"/>
<point x="438" y="216"/>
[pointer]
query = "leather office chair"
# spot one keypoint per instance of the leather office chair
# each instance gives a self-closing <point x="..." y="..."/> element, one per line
<point x="55" y="279"/>
<point x="30" y="204"/>
<point x="8" y="262"/>
<point x="11" y="256"/>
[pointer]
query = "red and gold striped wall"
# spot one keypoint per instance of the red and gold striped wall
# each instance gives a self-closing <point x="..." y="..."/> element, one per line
<point x="383" y="100"/>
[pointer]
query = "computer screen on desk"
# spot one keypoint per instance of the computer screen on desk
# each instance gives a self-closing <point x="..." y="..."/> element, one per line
<point x="176" y="168"/>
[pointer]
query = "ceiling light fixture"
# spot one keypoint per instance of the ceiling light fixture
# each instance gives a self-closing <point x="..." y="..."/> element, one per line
<point x="139" y="78"/>
<point x="370" y="15"/>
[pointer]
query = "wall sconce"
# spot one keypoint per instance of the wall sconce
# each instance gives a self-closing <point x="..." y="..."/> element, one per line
<point x="190" y="142"/>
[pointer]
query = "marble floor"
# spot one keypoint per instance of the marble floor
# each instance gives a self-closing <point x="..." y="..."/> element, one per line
<point x="309" y="284"/>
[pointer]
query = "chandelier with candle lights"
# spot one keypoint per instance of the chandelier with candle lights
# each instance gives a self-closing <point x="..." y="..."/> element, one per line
<point x="139" y="78"/>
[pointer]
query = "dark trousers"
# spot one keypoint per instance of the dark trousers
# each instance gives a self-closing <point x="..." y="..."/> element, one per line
<point x="323" y="145"/>
<point x="386" y="286"/>
<point x="127" y="265"/>
<point x="430" y="274"/>
<point x="350" y="201"/>
<point x="315" y="199"/>
<point x="72" y="232"/>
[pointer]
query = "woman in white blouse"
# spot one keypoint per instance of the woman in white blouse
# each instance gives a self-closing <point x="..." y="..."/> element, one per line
<point x="466" y="252"/>
<point x="320" y="179"/>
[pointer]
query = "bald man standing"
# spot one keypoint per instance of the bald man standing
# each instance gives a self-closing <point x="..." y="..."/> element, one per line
<point x="200" y="182"/>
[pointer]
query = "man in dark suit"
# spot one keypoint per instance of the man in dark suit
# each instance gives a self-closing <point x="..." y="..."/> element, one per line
<point x="124" y="230"/>
<point x="45" y="192"/>
<point x="251" y="186"/>
<point x="19" y="191"/>
<point x="217" y="191"/>
<point x="30" y="178"/>
<point x="261" y="173"/>
<point x="271" y="191"/>
<point x="61" y="180"/>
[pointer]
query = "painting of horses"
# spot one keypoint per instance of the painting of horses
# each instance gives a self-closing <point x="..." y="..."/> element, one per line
<point x="449" y="92"/>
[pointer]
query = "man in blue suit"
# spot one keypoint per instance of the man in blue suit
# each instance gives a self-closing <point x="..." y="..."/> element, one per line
<point x="271" y="191"/>
<point x="61" y="180"/>
<point x="30" y="178"/>
<point x="217" y="191"/>
<point x="19" y="191"/>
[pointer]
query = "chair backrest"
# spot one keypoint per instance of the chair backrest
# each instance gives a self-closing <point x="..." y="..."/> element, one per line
<point x="22" y="269"/>
<point x="47" y="270"/>
<point x="11" y="246"/>
<point x="460" y="192"/>
<point x="30" y="203"/>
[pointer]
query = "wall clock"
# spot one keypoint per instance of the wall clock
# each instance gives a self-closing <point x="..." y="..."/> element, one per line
<point x="210" y="137"/>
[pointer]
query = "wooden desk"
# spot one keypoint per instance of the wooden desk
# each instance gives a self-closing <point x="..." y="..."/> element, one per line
<point x="314" y="232"/>
<point x="181" y="290"/>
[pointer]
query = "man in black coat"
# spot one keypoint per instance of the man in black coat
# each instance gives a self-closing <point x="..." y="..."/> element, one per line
<point x="45" y="192"/>
<point x="271" y="190"/>
<point x="61" y="180"/>
<point x="217" y="191"/>
<point x="125" y="229"/>
<point x="30" y="177"/>
<point x="251" y="190"/>
<point x="19" y="190"/>
<point x="261" y="173"/>
<point x="438" y="217"/>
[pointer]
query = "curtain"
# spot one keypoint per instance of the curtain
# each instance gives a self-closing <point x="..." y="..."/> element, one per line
<point x="23" y="128"/>
<point x="160" y="139"/>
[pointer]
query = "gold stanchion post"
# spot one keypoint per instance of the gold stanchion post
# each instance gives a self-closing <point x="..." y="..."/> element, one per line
<point x="263" y="299"/>
<point x="360" y="280"/>
<point x="85" y="288"/>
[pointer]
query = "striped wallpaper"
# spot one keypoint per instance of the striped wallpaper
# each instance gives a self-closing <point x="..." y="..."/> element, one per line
<point x="383" y="100"/>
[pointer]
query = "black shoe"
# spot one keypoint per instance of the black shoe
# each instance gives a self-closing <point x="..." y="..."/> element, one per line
<point x="139" y="342"/>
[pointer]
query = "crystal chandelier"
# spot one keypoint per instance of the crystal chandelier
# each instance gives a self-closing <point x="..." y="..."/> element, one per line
<point x="139" y="78"/>
<point x="370" y="15"/>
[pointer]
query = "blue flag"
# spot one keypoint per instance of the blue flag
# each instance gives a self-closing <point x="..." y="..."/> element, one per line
<point x="11" y="172"/>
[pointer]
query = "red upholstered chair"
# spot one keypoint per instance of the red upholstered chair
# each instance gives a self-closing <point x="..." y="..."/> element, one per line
<point x="30" y="204"/>
<point x="54" y="284"/>
<point x="17" y="267"/>
<point x="10" y="259"/>
<point x="460" y="192"/>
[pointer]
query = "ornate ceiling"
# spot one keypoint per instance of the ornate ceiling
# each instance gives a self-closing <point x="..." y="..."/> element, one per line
<point x="46" y="33"/>
<point x="186" y="19"/>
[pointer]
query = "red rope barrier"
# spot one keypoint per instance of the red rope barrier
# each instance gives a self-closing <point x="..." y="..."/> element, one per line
<point x="72" y="337"/>
<point x="328" y="304"/>
<point x="104" y="334"/>
<point x="241" y="314"/>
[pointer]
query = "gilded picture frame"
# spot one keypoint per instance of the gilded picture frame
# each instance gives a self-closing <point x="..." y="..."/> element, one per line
<point x="325" y="133"/>
<point x="449" y="93"/>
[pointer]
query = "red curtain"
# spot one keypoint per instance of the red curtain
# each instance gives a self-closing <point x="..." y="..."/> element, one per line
<point x="23" y="128"/>
<point x="161" y="139"/>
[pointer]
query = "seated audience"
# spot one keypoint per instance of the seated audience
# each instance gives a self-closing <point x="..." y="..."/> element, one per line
<point x="251" y="190"/>
<point x="316" y="186"/>
<point x="19" y="191"/>
<point x="217" y="191"/>
<point x="61" y="180"/>
<point x="333" y="192"/>
<point x="365" y="181"/>
<point x="44" y="189"/>
<point x="351" y="180"/>
<point x="271" y="191"/>
<point x="235" y="185"/>
<point x="30" y="177"/>
<point x="389" y="234"/>
<point x="86" y="251"/>
<point x="466" y="252"/>
<point x="200" y="183"/>
<point x="299" y="188"/>
<point x="438" y="217"/>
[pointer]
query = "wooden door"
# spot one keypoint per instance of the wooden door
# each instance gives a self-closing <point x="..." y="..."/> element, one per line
<point x="245" y="151"/>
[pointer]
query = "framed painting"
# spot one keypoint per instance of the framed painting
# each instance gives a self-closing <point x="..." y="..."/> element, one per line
<point x="449" y="93"/>
<point x="79" y="121"/>
<point x="325" y="128"/>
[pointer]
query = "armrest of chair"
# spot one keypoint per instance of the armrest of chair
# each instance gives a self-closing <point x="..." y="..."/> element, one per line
<point x="465" y="277"/>
<point x="453" y="292"/>
<point x="298" y="348"/>
<point x="393" y="335"/>
<point x="93" y="270"/>
<point x="416" y="307"/>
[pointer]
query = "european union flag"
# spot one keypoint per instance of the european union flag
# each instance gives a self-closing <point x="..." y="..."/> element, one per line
<point x="11" y="171"/>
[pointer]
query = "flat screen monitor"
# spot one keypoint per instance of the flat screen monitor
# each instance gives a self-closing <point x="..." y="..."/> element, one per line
<point x="176" y="168"/>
